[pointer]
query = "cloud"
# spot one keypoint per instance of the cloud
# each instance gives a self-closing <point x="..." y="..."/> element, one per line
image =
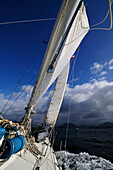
<point x="111" y="64"/>
<point x="103" y="73"/>
<point x="17" y="110"/>
<point x="96" y="68"/>
<point x="27" y="89"/>
<point x="74" y="80"/>
<point x="100" y="70"/>
<point x="91" y="103"/>
<point x="102" y="78"/>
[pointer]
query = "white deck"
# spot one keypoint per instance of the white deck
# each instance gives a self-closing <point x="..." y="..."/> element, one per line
<point x="28" y="161"/>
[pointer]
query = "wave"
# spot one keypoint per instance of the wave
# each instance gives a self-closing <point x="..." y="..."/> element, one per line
<point x="82" y="161"/>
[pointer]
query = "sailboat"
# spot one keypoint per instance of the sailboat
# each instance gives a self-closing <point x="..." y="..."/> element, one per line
<point x="18" y="148"/>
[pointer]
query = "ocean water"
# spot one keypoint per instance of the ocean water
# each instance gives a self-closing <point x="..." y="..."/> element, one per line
<point x="82" y="161"/>
<point x="98" y="142"/>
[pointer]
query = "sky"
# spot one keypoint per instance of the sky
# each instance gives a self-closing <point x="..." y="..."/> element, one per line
<point x="92" y="94"/>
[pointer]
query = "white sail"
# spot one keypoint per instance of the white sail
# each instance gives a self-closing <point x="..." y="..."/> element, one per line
<point x="57" y="97"/>
<point x="74" y="24"/>
<point x="70" y="28"/>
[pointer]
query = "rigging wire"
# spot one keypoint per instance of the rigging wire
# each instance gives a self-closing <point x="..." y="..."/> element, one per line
<point x="27" y="68"/>
<point x="34" y="56"/>
<point x="50" y="136"/>
<point x="46" y="149"/>
<point x="109" y="11"/>
<point x="72" y="74"/>
<point x="45" y="105"/>
<point x="27" y="21"/>
<point x="19" y="95"/>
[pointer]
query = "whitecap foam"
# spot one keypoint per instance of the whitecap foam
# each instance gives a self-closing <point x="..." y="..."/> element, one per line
<point x="82" y="161"/>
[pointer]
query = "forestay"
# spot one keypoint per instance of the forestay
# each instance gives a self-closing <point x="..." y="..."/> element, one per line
<point x="57" y="97"/>
<point x="71" y="27"/>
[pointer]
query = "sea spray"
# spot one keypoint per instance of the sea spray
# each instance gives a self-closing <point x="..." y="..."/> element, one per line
<point x="82" y="161"/>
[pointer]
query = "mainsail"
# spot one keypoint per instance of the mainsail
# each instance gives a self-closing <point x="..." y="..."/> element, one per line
<point x="70" y="28"/>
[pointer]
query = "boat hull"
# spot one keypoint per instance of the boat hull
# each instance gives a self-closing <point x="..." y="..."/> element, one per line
<point x="27" y="160"/>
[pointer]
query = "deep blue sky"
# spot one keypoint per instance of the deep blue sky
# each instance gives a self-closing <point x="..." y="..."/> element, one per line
<point x="19" y="42"/>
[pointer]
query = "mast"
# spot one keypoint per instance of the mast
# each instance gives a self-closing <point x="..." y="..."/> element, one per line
<point x="54" y="53"/>
<point x="70" y="28"/>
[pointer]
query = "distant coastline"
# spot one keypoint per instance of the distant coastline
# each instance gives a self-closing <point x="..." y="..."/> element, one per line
<point x="105" y="125"/>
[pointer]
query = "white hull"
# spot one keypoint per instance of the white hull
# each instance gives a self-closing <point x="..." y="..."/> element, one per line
<point x="27" y="161"/>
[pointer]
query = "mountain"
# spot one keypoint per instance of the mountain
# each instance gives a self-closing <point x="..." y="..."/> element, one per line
<point x="71" y="125"/>
<point x="105" y="125"/>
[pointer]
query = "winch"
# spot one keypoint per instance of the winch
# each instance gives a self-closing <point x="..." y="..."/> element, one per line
<point x="10" y="141"/>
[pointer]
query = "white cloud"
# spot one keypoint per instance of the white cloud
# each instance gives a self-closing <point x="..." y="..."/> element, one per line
<point x="17" y="111"/>
<point x="111" y="64"/>
<point x="28" y="88"/>
<point x="102" y="78"/>
<point x="101" y="69"/>
<point x="91" y="103"/>
<point x="111" y="67"/>
<point x="96" y="68"/>
<point x="74" y="80"/>
<point x="83" y="92"/>
<point x="103" y="73"/>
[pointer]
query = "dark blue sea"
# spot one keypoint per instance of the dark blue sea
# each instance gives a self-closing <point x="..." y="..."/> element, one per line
<point x="98" y="142"/>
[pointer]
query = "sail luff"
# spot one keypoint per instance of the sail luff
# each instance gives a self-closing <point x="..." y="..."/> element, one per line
<point x="68" y="34"/>
<point x="57" y="97"/>
<point x="65" y="14"/>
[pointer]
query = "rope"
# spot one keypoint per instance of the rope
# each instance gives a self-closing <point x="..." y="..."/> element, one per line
<point x="90" y="29"/>
<point x="27" y="68"/>
<point x="31" y="146"/>
<point x="27" y="21"/>
<point x="101" y="21"/>
<point x="109" y="12"/>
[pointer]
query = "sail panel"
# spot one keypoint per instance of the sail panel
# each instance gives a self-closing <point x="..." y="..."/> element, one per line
<point x="63" y="19"/>
<point x="57" y="97"/>
<point x="77" y="31"/>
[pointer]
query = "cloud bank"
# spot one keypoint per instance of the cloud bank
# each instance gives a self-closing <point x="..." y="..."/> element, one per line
<point x="91" y="103"/>
<point x="88" y="104"/>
